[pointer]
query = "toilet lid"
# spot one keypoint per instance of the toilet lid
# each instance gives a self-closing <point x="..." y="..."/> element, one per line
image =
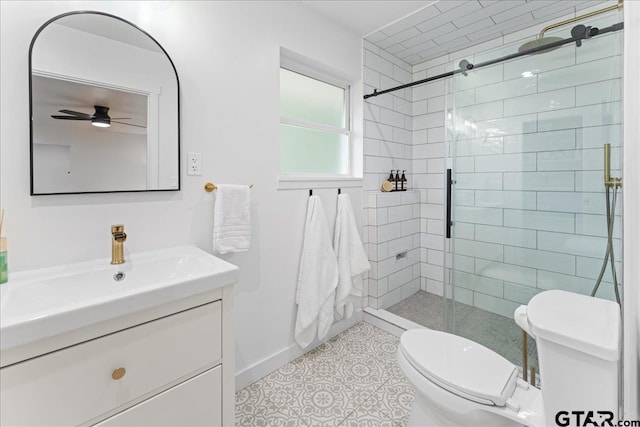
<point x="461" y="366"/>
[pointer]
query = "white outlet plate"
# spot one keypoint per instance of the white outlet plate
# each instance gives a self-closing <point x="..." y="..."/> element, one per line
<point x="194" y="164"/>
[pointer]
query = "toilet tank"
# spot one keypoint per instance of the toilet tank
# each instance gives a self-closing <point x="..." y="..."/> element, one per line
<point x="578" y="341"/>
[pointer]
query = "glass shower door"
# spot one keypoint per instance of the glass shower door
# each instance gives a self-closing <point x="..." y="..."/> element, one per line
<point x="526" y="142"/>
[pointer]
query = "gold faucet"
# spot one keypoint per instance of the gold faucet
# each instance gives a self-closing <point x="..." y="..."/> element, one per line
<point x="118" y="236"/>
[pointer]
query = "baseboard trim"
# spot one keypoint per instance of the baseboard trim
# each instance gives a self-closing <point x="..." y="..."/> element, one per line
<point x="273" y="362"/>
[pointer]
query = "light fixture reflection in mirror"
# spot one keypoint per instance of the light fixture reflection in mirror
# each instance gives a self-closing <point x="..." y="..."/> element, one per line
<point x="100" y="123"/>
<point x="104" y="108"/>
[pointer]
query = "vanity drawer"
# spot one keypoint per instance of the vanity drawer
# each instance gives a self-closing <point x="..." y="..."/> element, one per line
<point x="196" y="402"/>
<point x="76" y="384"/>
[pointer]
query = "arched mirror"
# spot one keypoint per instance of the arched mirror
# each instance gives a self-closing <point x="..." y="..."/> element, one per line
<point x="104" y="104"/>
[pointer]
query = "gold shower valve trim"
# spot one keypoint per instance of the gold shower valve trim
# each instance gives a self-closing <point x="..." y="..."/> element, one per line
<point x="614" y="182"/>
<point x="209" y="187"/>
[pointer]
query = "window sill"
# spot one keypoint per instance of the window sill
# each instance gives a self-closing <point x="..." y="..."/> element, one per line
<point x="315" y="182"/>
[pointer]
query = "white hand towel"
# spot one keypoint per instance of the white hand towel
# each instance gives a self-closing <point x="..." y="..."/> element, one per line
<point x="231" y="220"/>
<point x="317" y="279"/>
<point x="352" y="259"/>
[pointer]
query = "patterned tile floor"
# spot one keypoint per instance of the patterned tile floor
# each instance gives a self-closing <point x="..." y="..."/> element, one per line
<point x="351" y="380"/>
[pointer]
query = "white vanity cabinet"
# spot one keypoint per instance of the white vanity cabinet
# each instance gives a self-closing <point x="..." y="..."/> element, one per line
<point x="171" y="365"/>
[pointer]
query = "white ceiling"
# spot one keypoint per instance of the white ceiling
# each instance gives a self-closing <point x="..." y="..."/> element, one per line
<point x="362" y="16"/>
<point x="450" y="25"/>
<point x="416" y="31"/>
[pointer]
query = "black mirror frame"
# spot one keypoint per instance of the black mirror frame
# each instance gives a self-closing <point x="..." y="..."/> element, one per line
<point x="33" y="40"/>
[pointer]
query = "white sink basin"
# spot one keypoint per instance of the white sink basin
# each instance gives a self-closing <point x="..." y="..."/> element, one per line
<point x="44" y="303"/>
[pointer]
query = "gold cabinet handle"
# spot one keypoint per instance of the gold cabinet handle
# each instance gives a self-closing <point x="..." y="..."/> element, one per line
<point x="118" y="373"/>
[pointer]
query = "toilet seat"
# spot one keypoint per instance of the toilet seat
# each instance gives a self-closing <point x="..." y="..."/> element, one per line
<point x="460" y="366"/>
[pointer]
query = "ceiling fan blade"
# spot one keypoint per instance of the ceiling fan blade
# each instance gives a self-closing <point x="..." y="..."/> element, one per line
<point x="76" y="113"/>
<point x="129" y="124"/>
<point x="71" y="118"/>
<point x="120" y="118"/>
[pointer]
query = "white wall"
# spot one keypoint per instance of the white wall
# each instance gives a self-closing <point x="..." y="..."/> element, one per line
<point x="631" y="191"/>
<point x="227" y="57"/>
<point x="95" y="161"/>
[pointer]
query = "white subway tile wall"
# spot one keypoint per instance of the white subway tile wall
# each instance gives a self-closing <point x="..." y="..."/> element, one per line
<point x="393" y="219"/>
<point x="387" y="119"/>
<point x="530" y="203"/>
<point x="394" y="246"/>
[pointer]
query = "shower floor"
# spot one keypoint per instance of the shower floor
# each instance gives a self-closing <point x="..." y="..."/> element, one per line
<point x="499" y="333"/>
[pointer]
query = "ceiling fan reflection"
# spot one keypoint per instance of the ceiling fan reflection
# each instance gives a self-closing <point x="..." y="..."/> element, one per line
<point x="100" y="118"/>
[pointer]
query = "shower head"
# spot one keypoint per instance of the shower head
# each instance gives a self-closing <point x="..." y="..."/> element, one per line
<point x="542" y="40"/>
<point x="539" y="42"/>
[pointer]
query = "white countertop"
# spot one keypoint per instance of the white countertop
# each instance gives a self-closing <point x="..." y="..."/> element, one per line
<point x="43" y="303"/>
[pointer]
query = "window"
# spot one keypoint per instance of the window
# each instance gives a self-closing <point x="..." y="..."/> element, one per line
<point x="314" y="123"/>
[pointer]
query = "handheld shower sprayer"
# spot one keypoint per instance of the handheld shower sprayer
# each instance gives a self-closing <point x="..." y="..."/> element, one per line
<point x="610" y="184"/>
<point x="608" y="181"/>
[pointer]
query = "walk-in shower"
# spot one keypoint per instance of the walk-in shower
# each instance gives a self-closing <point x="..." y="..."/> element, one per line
<point x="522" y="134"/>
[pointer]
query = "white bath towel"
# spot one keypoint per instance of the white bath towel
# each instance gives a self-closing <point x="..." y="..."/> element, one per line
<point x="231" y="219"/>
<point x="317" y="278"/>
<point x="352" y="259"/>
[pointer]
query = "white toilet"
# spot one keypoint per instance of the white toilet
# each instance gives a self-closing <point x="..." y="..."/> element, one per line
<point x="458" y="382"/>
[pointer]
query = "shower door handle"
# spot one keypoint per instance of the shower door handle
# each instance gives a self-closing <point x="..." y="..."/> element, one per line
<point x="448" y="215"/>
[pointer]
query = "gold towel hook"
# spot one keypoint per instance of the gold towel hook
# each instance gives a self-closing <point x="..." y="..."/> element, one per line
<point x="209" y="187"/>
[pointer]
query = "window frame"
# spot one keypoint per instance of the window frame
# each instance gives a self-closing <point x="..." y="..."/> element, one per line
<point x="301" y="65"/>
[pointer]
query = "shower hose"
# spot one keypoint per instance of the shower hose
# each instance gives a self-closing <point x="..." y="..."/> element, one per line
<point x="608" y="256"/>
